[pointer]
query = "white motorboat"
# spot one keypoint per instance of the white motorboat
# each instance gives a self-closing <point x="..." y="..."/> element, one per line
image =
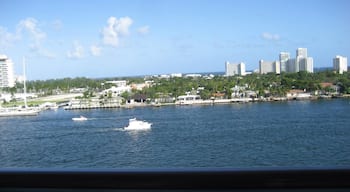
<point x="138" y="125"/>
<point x="81" y="118"/>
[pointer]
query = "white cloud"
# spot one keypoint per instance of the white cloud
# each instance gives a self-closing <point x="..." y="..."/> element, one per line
<point x="6" y="38"/>
<point x="38" y="49"/>
<point x="29" y="28"/>
<point x="30" y="25"/>
<point x="77" y="52"/>
<point x="143" y="30"/>
<point x="95" y="50"/>
<point x="269" y="36"/>
<point x="115" y="29"/>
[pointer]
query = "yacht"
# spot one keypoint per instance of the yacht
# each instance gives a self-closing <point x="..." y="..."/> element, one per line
<point x="138" y="125"/>
<point x="20" y="111"/>
<point x="15" y="111"/>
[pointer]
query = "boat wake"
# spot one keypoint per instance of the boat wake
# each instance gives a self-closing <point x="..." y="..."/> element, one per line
<point x="100" y="118"/>
<point x="119" y="129"/>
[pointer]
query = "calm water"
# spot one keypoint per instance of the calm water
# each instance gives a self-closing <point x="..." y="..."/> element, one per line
<point x="296" y="133"/>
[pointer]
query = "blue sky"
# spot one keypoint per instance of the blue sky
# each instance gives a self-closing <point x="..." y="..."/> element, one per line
<point x="114" y="38"/>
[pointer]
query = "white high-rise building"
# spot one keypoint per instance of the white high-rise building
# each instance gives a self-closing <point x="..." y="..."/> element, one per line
<point x="303" y="62"/>
<point x="234" y="69"/>
<point x="309" y="65"/>
<point x="306" y="64"/>
<point x="340" y="64"/>
<point x="302" y="52"/>
<point x="269" y="67"/>
<point x="6" y="72"/>
<point x="284" y="57"/>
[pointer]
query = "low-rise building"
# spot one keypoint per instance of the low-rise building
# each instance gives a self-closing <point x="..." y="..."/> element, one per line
<point x="116" y="91"/>
<point x="120" y="83"/>
<point x="188" y="99"/>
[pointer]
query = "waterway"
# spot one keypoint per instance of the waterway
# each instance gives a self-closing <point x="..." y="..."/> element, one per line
<point x="248" y="135"/>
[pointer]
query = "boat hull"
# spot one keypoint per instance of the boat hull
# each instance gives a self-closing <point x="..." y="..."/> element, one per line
<point x="79" y="119"/>
<point x="137" y="125"/>
<point x="18" y="113"/>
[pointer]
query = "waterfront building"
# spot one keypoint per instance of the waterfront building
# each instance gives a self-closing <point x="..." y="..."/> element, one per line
<point x="234" y="69"/>
<point x="340" y="64"/>
<point x="116" y="91"/>
<point x="6" y="72"/>
<point x="188" y="99"/>
<point x="284" y="58"/>
<point x="269" y="67"/>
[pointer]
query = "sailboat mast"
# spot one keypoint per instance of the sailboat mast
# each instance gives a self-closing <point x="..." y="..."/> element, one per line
<point x="24" y="83"/>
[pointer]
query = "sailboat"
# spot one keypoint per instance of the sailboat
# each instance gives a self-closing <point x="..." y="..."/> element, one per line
<point x="20" y="111"/>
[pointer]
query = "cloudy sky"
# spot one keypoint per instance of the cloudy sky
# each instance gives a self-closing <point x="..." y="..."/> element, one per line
<point x="66" y="38"/>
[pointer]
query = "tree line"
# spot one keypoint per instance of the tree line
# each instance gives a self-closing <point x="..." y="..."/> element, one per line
<point x="274" y="84"/>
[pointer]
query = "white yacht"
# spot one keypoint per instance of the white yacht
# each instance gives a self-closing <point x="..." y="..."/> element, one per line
<point x="15" y="111"/>
<point x="20" y="111"/>
<point x="138" y="125"/>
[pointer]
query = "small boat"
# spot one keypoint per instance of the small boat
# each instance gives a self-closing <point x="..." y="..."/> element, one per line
<point x="138" y="125"/>
<point x="81" y="118"/>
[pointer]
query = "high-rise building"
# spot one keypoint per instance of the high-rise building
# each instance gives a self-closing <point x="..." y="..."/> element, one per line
<point x="234" y="69"/>
<point x="303" y="62"/>
<point x="310" y="65"/>
<point x="302" y="52"/>
<point x="306" y="64"/>
<point x="6" y="72"/>
<point x="269" y="67"/>
<point x="340" y="64"/>
<point x="291" y="66"/>
<point x="284" y="57"/>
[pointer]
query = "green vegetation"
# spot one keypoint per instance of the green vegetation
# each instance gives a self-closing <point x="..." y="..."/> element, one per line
<point x="275" y="85"/>
<point x="263" y="85"/>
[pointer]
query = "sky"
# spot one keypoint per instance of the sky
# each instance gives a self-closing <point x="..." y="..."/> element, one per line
<point x="112" y="38"/>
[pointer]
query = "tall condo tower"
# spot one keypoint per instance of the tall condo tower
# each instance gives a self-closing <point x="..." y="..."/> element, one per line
<point x="340" y="64"/>
<point x="6" y="72"/>
<point x="284" y="57"/>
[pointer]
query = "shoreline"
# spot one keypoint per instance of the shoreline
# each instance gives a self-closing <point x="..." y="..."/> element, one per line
<point x="206" y="102"/>
<point x="64" y="99"/>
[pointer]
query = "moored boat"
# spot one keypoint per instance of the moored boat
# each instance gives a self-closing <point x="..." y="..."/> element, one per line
<point x="8" y="112"/>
